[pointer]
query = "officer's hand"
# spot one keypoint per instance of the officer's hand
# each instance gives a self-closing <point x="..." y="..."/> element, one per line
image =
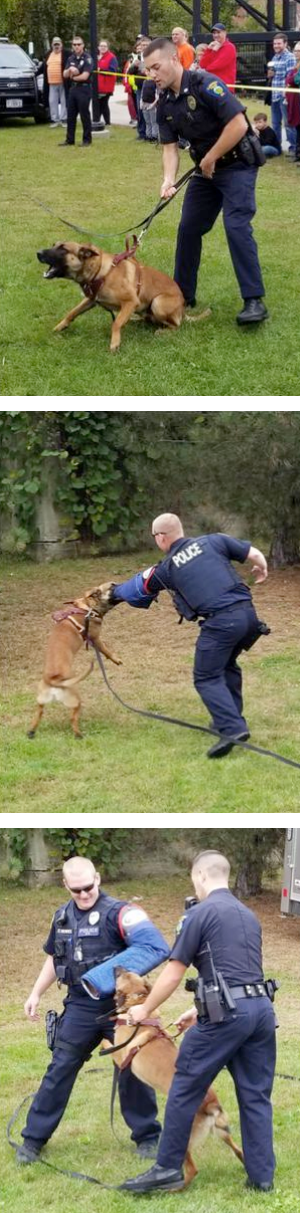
<point x="259" y="574"/>
<point x="167" y="190"/>
<point x="136" y="1014"/>
<point x="30" y="1008"/>
<point x="207" y="165"/>
<point x="186" y="1020"/>
<point x="73" y="71"/>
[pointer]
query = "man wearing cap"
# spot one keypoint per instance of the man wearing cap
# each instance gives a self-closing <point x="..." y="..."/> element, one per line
<point x="54" y="90"/>
<point x="91" y="929"/>
<point x="220" y="56"/>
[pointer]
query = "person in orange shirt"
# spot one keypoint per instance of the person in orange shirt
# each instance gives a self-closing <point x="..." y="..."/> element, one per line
<point x="54" y="64"/>
<point x="184" y="49"/>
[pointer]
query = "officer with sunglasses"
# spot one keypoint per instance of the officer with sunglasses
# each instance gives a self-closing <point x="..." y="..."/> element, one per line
<point x="85" y="932"/>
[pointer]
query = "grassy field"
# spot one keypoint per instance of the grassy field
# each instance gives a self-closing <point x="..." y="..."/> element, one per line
<point x="83" y="1140"/>
<point x="125" y="763"/>
<point x="111" y="185"/>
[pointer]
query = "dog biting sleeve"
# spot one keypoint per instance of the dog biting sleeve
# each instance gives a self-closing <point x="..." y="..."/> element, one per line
<point x="138" y="591"/>
<point x="146" y="948"/>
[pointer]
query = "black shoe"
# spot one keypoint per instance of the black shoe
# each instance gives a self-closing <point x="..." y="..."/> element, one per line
<point x="191" y="302"/>
<point x="158" y="1179"/>
<point x="66" y="143"/>
<point x="259" y="1187"/>
<point x="27" y="1153"/>
<point x="148" y="1149"/>
<point x="253" y="312"/>
<point x="88" y="142"/>
<point x="225" y="744"/>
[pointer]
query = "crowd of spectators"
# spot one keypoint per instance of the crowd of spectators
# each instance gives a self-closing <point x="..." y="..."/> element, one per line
<point x="67" y="86"/>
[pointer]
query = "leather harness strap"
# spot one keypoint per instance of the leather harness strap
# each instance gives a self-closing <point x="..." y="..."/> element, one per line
<point x="91" y="288"/>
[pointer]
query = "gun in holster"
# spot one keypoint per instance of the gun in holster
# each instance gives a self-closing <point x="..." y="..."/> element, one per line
<point x="212" y="994"/>
<point x="261" y="629"/>
<point x="52" y="1021"/>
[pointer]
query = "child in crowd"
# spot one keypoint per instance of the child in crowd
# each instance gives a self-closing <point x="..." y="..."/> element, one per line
<point x="148" y="105"/>
<point x="266" y="135"/>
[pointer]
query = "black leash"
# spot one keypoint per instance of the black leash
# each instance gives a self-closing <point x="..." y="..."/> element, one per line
<point x="184" y="724"/>
<point x="90" y="1179"/>
<point x="144" y="223"/>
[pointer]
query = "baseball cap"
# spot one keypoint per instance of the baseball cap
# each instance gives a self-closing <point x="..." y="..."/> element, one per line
<point x="218" y="26"/>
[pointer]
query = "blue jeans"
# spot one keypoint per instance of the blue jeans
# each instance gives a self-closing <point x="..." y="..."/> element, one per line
<point x="279" y="115"/>
<point x="271" y="151"/>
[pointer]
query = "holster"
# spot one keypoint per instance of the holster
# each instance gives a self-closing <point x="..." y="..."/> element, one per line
<point x="261" y="629"/>
<point x="52" y="1021"/>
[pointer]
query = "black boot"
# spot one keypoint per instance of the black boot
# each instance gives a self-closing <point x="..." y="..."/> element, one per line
<point x="225" y="744"/>
<point x="259" y="1187"/>
<point x="27" y="1153"/>
<point x="158" y="1179"/>
<point x="253" y="312"/>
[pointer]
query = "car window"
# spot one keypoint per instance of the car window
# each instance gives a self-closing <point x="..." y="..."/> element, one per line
<point x="13" y="56"/>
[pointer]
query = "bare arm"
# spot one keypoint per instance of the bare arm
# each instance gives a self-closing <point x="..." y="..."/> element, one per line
<point x="45" y="979"/>
<point x="166" y="983"/>
<point x="259" y="564"/>
<point x="170" y="166"/>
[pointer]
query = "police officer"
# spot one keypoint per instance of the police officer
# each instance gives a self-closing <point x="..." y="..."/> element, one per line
<point x="78" y="71"/>
<point x="243" y="1039"/>
<point x="90" y="928"/>
<point x="199" y="575"/>
<point x="199" y="107"/>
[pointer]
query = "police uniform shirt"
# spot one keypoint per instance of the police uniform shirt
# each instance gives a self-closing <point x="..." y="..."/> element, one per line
<point x="200" y="569"/>
<point x="84" y="63"/>
<point x="234" y="935"/>
<point x="198" y="113"/>
<point x="77" y="991"/>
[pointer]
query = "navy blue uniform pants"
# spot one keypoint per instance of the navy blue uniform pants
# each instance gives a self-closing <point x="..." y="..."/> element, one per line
<point x="217" y="676"/>
<point x="79" y="103"/>
<point x="233" y="190"/>
<point x="245" y="1043"/>
<point x="79" y="1028"/>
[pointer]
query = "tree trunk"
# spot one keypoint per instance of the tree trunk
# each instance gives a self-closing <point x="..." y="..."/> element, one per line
<point x="285" y="547"/>
<point x="39" y="871"/>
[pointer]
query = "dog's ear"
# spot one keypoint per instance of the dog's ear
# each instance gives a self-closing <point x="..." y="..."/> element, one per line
<point x="87" y="250"/>
<point x="120" y="972"/>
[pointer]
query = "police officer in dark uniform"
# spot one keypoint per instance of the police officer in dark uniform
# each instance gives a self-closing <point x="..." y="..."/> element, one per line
<point x="198" y="107"/>
<point x="202" y="581"/>
<point x="234" y="1026"/>
<point x="78" y="71"/>
<point x="85" y="932"/>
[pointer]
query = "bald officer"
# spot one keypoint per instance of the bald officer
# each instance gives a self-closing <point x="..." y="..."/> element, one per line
<point x="199" y="574"/>
<point x="89" y="928"/>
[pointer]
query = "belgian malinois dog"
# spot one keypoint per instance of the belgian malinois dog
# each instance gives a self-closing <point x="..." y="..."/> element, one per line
<point x="126" y="285"/>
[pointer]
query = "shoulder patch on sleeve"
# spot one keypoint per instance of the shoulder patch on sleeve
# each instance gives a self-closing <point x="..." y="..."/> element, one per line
<point x="147" y="572"/>
<point x="129" y="917"/>
<point x="216" y="88"/>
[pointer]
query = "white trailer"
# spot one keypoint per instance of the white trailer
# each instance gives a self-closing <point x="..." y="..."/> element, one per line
<point x="290" y="893"/>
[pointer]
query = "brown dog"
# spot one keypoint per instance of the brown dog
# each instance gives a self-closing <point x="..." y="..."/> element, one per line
<point x="154" y="1063"/>
<point x="127" y="285"/>
<point x="66" y="638"/>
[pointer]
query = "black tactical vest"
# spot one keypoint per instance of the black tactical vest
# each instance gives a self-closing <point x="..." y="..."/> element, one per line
<point x="86" y="940"/>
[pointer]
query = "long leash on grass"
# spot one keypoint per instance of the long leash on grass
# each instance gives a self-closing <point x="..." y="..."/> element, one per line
<point x="183" y="724"/>
<point x="144" y="224"/>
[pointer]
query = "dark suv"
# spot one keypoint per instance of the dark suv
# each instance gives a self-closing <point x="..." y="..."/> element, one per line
<point x="21" y="90"/>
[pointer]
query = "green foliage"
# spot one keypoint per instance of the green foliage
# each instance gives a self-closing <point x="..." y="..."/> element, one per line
<point x="103" y="847"/>
<point x="39" y="20"/>
<point x="16" y="843"/>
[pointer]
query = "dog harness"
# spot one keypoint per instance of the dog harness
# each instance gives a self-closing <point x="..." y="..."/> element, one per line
<point x="90" y="289"/>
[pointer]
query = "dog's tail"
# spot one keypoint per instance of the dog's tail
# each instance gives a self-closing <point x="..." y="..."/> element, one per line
<point x="72" y="682"/>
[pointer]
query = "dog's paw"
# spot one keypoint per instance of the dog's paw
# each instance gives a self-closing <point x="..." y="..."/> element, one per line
<point x="114" y="349"/>
<point x="60" y="327"/>
<point x="119" y="661"/>
<point x="31" y="733"/>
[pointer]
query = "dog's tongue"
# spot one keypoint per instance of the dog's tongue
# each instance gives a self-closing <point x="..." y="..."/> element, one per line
<point x="51" y="273"/>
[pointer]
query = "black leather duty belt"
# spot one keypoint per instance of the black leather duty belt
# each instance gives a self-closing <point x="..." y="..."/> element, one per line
<point x="249" y="991"/>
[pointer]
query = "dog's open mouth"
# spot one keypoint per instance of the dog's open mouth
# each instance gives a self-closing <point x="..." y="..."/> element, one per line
<point x="53" y="258"/>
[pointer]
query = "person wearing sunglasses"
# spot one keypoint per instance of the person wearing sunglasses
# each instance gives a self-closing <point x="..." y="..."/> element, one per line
<point x="90" y="928"/>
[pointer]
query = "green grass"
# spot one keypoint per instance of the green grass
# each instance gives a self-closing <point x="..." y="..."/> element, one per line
<point x="113" y="184"/>
<point x="83" y="1140"/>
<point x="125" y="763"/>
